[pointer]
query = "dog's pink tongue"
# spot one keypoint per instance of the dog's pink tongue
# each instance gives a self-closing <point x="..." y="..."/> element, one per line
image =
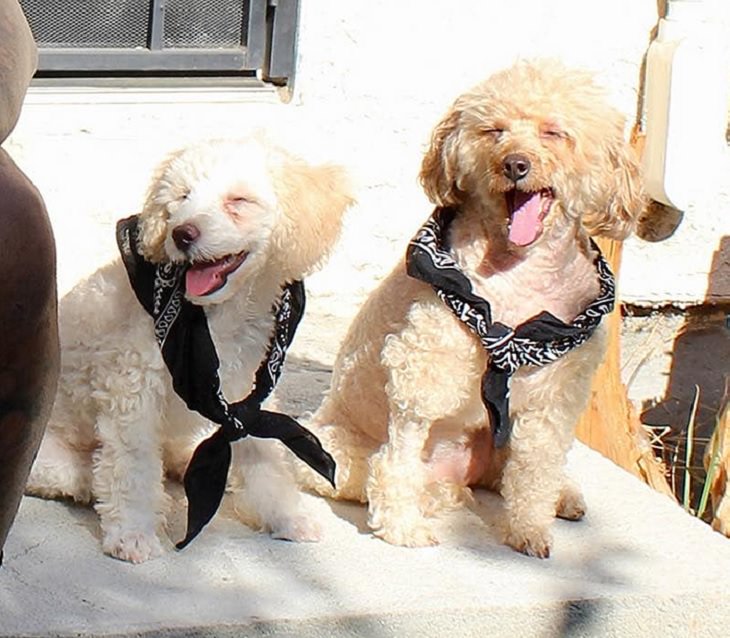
<point x="525" y="224"/>
<point x="201" y="279"/>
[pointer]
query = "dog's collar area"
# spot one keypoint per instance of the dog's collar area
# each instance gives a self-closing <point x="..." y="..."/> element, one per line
<point x="536" y="342"/>
<point x="181" y="330"/>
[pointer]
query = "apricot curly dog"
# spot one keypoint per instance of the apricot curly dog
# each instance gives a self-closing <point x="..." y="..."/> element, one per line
<point x="526" y="167"/>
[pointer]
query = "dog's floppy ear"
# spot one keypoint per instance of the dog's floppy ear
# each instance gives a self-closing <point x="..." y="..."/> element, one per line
<point x="312" y="200"/>
<point x="439" y="169"/>
<point x="625" y="199"/>
<point x="152" y="226"/>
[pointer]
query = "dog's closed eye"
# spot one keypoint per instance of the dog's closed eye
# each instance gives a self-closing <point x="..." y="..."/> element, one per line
<point x="175" y="199"/>
<point x="237" y="201"/>
<point x="494" y="131"/>
<point x="236" y="204"/>
<point x="553" y="133"/>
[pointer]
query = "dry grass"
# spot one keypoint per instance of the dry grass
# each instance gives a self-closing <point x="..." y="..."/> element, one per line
<point x="691" y="460"/>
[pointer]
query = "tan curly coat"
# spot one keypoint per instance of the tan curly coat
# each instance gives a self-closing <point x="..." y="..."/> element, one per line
<point x="404" y="417"/>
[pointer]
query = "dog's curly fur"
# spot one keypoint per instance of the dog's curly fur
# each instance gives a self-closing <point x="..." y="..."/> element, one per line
<point x="404" y="417"/>
<point x="117" y="425"/>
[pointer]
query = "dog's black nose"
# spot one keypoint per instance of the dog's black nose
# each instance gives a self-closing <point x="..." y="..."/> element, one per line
<point x="516" y="166"/>
<point x="185" y="235"/>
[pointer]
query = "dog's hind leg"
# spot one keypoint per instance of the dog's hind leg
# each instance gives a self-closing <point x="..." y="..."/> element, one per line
<point x="265" y="493"/>
<point x="351" y="451"/>
<point x="428" y="379"/>
<point x="60" y="471"/>
<point x="571" y="505"/>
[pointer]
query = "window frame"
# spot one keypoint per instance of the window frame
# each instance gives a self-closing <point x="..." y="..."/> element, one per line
<point x="269" y="49"/>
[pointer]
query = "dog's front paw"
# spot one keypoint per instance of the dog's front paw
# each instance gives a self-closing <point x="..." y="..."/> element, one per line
<point x="534" y="543"/>
<point x="571" y="505"/>
<point x="413" y="533"/>
<point x="300" y="528"/>
<point x="134" y="547"/>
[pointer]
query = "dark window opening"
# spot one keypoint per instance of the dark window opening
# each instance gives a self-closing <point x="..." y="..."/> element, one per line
<point x="110" y="38"/>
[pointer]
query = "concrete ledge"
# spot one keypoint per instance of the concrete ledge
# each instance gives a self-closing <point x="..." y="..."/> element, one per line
<point x="636" y="566"/>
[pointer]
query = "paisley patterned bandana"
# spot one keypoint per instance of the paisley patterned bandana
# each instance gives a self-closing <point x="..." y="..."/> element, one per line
<point x="536" y="342"/>
<point x="181" y="330"/>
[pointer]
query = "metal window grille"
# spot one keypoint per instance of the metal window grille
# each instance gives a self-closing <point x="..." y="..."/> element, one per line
<point x="161" y="37"/>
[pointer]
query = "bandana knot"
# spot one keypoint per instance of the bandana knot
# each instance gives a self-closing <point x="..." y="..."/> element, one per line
<point x="536" y="342"/>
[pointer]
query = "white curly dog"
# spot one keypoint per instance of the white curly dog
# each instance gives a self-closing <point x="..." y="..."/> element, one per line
<point x="248" y="217"/>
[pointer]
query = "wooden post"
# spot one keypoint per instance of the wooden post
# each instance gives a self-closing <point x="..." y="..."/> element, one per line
<point x="610" y="424"/>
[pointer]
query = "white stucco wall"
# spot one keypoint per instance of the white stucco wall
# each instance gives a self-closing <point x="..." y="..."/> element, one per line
<point x="373" y="78"/>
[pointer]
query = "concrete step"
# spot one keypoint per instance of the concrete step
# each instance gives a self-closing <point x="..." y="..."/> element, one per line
<point x="637" y="565"/>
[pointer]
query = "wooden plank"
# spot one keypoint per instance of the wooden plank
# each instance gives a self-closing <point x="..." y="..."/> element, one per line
<point x="610" y="424"/>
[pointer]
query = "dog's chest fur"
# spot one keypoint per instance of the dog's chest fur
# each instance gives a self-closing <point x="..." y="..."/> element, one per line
<point x="241" y="331"/>
<point x="557" y="276"/>
<point x="241" y="339"/>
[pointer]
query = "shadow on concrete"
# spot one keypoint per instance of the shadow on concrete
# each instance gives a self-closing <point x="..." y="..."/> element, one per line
<point x="579" y="618"/>
<point x="700" y="359"/>
<point x="354" y="513"/>
<point x="302" y="385"/>
<point x="228" y="548"/>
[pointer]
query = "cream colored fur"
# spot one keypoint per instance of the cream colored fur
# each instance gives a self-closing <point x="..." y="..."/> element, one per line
<point x="118" y="426"/>
<point x="404" y="417"/>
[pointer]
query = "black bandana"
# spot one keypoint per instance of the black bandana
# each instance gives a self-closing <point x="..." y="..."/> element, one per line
<point x="181" y="330"/>
<point x="537" y="341"/>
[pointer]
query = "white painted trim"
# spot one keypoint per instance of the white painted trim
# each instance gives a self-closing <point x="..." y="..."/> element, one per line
<point x="42" y="95"/>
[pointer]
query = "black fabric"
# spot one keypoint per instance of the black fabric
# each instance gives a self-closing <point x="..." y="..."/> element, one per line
<point x="181" y="330"/>
<point x="538" y="341"/>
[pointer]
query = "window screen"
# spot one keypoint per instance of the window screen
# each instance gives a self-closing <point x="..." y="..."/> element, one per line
<point x="159" y="37"/>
